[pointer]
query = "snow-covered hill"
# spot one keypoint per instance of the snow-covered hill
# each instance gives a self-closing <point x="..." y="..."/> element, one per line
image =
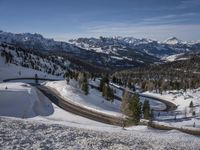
<point x="51" y="65"/>
<point x="14" y="71"/>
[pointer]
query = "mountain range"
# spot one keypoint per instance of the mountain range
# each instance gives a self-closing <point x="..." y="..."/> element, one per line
<point x="107" y="52"/>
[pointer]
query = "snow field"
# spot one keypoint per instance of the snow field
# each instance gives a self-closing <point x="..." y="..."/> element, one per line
<point x="17" y="134"/>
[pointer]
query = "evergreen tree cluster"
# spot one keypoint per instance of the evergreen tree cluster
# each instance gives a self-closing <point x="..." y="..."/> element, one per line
<point x="105" y="88"/>
<point x="132" y="107"/>
<point x="8" y="56"/>
<point x="177" y="75"/>
<point x="80" y="77"/>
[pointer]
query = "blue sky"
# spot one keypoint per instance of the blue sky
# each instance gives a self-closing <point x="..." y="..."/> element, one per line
<point x="66" y="19"/>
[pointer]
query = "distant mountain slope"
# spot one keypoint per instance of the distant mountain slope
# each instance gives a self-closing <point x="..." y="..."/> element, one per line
<point x="159" y="49"/>
<point x="35" y="41"/>
<point x="113" y="53"/>
<point x="124" y="57"/>
<point x="50" y="62"/>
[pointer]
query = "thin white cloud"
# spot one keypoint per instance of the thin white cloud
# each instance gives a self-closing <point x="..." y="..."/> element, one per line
<point x="159" y="32"/>
<point x="188" y="4"/>
<point x="171" y="17"/>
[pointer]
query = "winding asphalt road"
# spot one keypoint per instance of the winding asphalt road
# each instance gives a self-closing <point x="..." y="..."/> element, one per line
<point x="56" y="98"/>
<point x="169" y="105"/>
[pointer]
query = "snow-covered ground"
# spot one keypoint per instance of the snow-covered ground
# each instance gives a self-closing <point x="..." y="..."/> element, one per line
<point x="93" y="101"/>
<point x="8" y="71"/>
<point x="22" y="134"/>
<point x="20" y="100"/>
<point x="183" y="112"/>
<point x="172" y="58"/>
<point x="30" y="120"/>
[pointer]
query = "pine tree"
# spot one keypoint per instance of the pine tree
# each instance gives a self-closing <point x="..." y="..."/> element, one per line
<point x="146" y="110"/>
<point x="191" y="104"/>
<point x="135" y="107"/>
<point x="67" y="79"/>
<point x="84" y="86"/>
<point x="104" y="80"/>
<point x="66" y="75"/>
<point x="104" y="90"/>
<point x="80" y="79"/>
<point x="125" y="103"/>
<point x="36" y="78"/>
<point x="152" y="115"/>
<point x="129" y="84"/>
<point x="108" y="92"/>
<point x="111" y="93"/>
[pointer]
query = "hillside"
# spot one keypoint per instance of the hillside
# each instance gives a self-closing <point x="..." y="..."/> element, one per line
<point x="104" y="53"/>
<point x="105" y="60"/>
<point x="180" y="74"/>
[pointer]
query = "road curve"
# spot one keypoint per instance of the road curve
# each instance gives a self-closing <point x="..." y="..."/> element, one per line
<point x="169" y="105"/>
<point x="56" y="98"/>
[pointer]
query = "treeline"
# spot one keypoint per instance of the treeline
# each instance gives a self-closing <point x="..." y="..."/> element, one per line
<point x="184" y="74"/>
<point x="81" y="64"/>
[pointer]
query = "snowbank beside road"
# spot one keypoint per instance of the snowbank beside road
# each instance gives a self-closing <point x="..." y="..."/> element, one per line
<point x="21" y="100"/>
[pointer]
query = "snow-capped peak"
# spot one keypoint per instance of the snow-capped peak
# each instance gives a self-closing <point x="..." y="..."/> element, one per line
<point x="172" y="41"/>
